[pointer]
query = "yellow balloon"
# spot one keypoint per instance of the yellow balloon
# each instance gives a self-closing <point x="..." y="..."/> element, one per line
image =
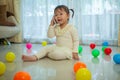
<point x="10" y="57"/>
<point x="2" y="68"/>
<point x="44" y="43"/>
<point x="83" y="74"/>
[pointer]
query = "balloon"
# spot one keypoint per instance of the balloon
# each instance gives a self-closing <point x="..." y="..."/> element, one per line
<point x="92" y="45"/>
<point x="22" y="76"/>
<point x="103" y="48"/>
<point x="2" y="68"/>
<point x="105" y="43"/>
<point x="80" y="49"/>
<point x="83" y="74"/>
<point x="95" y="52"/>
<point x="28" y="45"/>
<point x="107" y="51"/>
<point x="78" y="65"/>
<point x="44" y="43"/>
<point x="10" y="57"/>
<point x="116" y="58"/>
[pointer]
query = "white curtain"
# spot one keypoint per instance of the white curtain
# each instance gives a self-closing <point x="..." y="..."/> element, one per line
<point x="96" y="20"/>
<point x="100" y="21"/>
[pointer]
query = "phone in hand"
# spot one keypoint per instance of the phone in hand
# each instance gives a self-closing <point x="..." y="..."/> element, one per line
<point x="55" y="22"/>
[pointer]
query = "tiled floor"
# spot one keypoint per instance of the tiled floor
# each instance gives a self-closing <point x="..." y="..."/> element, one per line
<point x="101" y="68"/>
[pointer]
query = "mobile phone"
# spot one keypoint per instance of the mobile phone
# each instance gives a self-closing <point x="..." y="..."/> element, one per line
<point x="55" y="22"/>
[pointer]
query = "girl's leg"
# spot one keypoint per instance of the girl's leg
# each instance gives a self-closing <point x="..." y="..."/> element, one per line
<point x="29" y="58"/>
<point x="42" y="53"/>
<point x="60" y="53"/>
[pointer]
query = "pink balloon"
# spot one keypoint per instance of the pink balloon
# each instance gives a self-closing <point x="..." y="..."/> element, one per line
<point x="28" y="45"/>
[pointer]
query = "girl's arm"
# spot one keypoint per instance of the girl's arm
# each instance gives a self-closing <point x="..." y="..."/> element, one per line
<point x="75" y="38"/>
<point x="51" y="31"/>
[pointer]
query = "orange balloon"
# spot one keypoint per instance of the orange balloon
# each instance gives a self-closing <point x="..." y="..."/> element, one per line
<point x="22" y="76"/>
<point x="79" y="65"/>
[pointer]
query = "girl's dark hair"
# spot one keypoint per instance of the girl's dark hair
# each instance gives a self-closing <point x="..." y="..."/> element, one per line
<point x="65" y="8"/>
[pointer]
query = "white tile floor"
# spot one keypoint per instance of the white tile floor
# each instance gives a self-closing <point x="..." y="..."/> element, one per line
<point x="102" y="68"/>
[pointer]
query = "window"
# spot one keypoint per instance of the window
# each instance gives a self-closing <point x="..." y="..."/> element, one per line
<point x="96" y="20"/>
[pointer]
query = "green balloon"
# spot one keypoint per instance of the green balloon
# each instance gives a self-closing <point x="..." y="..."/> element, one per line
<point x="103" y="48"/>
<point x="80" y="49"/>
<point x="95" y="52"/>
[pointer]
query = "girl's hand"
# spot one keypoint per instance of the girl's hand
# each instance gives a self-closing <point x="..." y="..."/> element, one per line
<point x="53" y="21"/>
<point x="75" y="56"/>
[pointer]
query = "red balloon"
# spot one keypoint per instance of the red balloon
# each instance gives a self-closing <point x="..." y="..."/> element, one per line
<point x="22" y="76"/>
<point x="92" y="45"/>
<point x="107" y="51"/>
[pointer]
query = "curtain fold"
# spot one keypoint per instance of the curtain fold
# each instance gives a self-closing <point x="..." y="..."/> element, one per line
<point x="14" y="7"/>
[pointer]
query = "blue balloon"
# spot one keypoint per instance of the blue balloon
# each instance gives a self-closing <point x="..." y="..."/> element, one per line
<point x="105" y="43"/>
<point x="116" y="58"/>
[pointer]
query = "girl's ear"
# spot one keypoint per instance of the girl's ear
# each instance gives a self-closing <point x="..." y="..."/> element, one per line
<point x="68" y="16"/>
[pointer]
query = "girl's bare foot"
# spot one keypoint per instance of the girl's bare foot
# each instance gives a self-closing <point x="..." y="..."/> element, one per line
<point x="75" y="56"/>
<point x="29" y="58"/>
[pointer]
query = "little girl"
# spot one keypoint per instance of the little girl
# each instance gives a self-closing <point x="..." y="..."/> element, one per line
<point x="67" y="39"/>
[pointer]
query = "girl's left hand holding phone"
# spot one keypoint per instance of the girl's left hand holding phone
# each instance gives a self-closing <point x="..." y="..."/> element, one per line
<point x="53" y="22"/>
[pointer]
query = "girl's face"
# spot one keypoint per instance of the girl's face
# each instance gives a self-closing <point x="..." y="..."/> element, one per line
<point x="61" y="17"/>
